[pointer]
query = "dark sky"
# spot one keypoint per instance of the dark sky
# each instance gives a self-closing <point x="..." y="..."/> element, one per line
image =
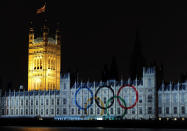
<point x="93" y="32"/>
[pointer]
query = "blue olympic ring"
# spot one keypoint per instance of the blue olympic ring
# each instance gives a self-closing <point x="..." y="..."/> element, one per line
<point x="82" y="108"/>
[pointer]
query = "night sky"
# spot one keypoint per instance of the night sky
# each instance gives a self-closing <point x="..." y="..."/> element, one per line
<point x="94" y="32"/>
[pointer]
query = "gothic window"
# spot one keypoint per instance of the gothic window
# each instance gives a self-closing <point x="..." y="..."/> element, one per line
<point x="3" y="112"/>
<point x="149" y="98"/>
<point x="12" y="111"/>
<point x="118" y="110"/>
<point x="64" y="111"/>
<point x="52" y="111"/>
<point x="149" y="110"/>
<point x="91" y="110"/>
<point x="183" y="109"/>
<point x="175" y="110"/>
<point x="31" y="111"/>
<point x="104" y="100"/>
<point x="26" y="102"/>
<point x="47" y="101"/>
<point x="140" y="110"/>
<point x="31" y="102"/>
<point x="79" y="111"/>
<point x="52" y="63"/>
<point x="140" y="99"/>
<point x="111" y="111"/>
<point x="21" y="102"/>
<point x="16" y="111"/>
<point x="34" y="64"/>
<point x="49" y="63"/>
<point x="52" y="102"/>
<point x="26" y="111"/>
<point x="46" y="111"/>
<point x="57" y="111"/>
<point x="64" y="101"/>
<point x="41" y="111"/>
<point x="21" y="111"/>
<point x="133" y="111"/>
<point x="58" y="101"/>
<point x="40" y="63"/>
<point x="36" y="102"/>
<point x="7" y="111"/>
<point x="72" y="111"/>
<point x="41" y="101"/>
<point x="167" y="110"/>
<point x="36" y="111"/>
<point x="98" y="111"/>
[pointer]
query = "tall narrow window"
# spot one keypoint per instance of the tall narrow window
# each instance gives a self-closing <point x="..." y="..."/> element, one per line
<point x="34" y="64"/>
<point x="40" y="63"/>
<point x="150" y="98"/>
<point x="183" y="109"/>
<point x="49" y="63"/>
<point x="175" y="110"/>
<point x="52" y="64"/>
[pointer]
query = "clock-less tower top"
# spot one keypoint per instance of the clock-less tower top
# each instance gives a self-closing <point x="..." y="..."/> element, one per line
<point x="44" y="61"/>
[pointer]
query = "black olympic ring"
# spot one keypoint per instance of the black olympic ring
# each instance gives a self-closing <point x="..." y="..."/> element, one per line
<point x="97" y="102"/>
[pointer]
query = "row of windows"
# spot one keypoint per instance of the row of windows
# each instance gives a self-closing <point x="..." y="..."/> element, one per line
<point x="38" y="63"/>
<point x="37" y="102"/>
<point x="175" y="110"/>
<point x="111" y="111"/>
<point x="26" y="112"/>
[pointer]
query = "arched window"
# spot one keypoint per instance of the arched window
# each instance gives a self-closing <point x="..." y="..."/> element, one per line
<point x="52" y="64"/>
<point x="149" y="98"/>
<point x="35" y="64"/>
<point x="49" y="63"/>
<point x="40" y="63"/>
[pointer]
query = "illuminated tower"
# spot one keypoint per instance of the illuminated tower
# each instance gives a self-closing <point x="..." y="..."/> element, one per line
<point x="44" y="60"/>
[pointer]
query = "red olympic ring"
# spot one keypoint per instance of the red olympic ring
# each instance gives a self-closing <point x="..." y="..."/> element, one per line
<point x="119" y="99"/>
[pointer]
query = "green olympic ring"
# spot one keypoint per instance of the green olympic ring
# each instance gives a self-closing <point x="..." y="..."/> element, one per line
<point x="118" y="97"/>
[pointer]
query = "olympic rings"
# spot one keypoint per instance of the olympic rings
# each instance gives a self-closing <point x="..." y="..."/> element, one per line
<point x="76" y="98"/>
<point x="118" y="97"/>
<point x="96" y="101"/>
<point x="136" y="97"/>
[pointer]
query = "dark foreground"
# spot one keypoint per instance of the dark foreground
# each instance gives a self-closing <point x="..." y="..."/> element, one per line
<point x="94" y="123"/>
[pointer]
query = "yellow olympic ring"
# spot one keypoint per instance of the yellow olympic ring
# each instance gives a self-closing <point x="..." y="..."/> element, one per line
<point x="102" y="104"/>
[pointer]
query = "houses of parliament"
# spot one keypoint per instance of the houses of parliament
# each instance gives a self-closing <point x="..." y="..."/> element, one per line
<point x="51" y="95"/>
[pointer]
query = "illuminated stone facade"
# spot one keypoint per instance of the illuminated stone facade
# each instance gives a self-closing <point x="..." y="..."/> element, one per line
<point x="44" y="58"/>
